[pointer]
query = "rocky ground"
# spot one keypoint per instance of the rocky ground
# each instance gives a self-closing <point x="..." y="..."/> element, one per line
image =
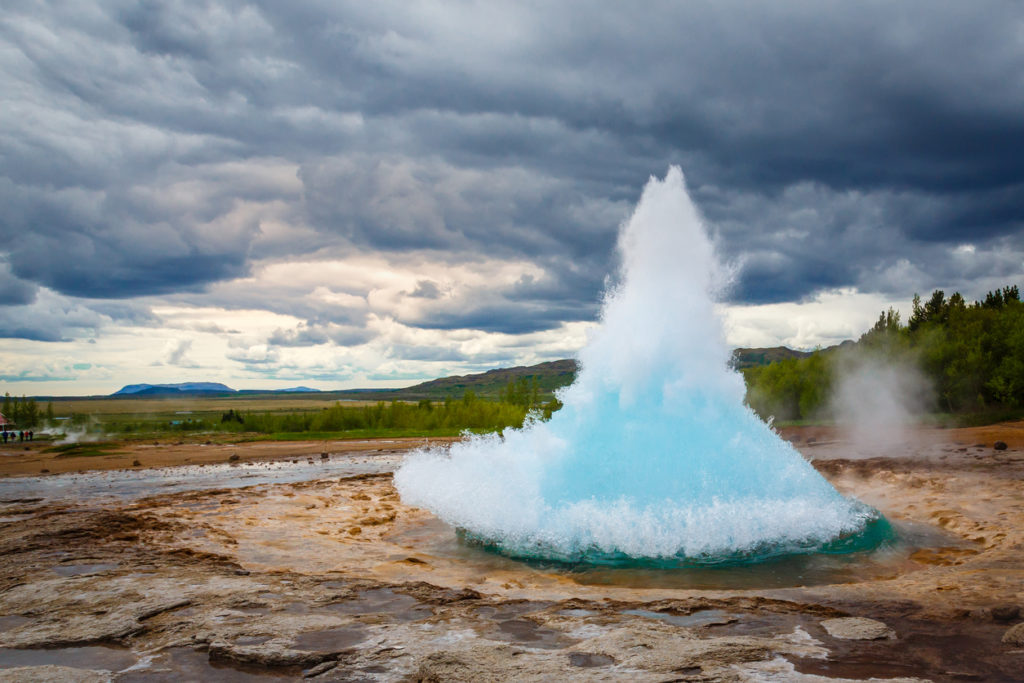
<point x="337" y="580"/>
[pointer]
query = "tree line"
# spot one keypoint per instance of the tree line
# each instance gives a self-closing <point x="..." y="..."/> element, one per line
<point x="971" y="353"/>
<point x="25" y="412"/>
<point x="469" y="412"/>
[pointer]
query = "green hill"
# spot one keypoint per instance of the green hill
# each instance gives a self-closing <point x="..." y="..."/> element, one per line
<point x="749" y="358"/>
<point x="549" y="376"/>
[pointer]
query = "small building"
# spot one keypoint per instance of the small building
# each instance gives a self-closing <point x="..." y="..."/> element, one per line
<point x="5" y="424"/>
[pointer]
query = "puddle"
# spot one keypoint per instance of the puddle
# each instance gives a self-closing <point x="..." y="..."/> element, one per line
<point x="92" y="657"/>
<point x="575" y="612"/>
<point x="528" y="634"/>
<point x="333" y="640"/>
<point x="185" y="664"/>
<point x="251" y="640"/>
<point x="12" y="622"/>
<point x="925" y="650"/>
<point x="80" y="569"/>
<point x="704" y="617"/>
<point x="294" y="608"/>
<point x="15" y="518"/>
<point x="766" y="625"/>
<point x="588" y="660"/>
<point x="384" y="601"/>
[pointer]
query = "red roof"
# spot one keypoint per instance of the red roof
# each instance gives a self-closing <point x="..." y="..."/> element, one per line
<point x="4" y="420"/>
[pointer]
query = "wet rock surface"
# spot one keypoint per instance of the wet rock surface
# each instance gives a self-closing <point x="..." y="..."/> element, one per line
<point x="858" y="628"/>
<point x="272" y="583"/>
<point x="1014" y="635"/>
<point x="53" y="674"/>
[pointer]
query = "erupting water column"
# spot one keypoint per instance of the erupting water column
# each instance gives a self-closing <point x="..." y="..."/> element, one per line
<point x="654" y="454"/>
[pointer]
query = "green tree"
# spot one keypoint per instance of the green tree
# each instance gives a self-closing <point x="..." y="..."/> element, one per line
<point x="30" y="413"/>
<point x="973" y="356"/>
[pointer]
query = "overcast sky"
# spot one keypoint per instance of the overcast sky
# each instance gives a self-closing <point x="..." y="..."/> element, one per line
<point x="342" y="194"/>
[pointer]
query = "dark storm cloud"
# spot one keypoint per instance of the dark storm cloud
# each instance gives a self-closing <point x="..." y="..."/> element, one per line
<point x="828" y="143"/>
<point x="14" y="291"/>
<point x="500" y="316"/>
<point x="51" y="319"/>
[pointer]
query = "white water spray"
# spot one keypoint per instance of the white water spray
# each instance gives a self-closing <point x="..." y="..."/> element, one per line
<point x="654" y="454"/>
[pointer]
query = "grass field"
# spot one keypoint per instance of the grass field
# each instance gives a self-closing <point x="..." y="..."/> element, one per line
<point x="146" y="417"/>
<point x="171" y="406"/>
<point x="276" y="417"/>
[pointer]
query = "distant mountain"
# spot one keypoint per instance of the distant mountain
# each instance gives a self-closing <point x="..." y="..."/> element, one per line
<point x="296" y="390"/>
<point x="181" y="388"/>
<point x="748" y="358"/>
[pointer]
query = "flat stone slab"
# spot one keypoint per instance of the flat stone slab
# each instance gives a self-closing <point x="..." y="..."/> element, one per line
<point x="53" y="674"/>
<point x="1014" y="635"/>
<point x="858" y="628"/>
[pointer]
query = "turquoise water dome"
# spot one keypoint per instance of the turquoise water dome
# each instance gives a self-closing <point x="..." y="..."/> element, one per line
<point x="654" y="457"/>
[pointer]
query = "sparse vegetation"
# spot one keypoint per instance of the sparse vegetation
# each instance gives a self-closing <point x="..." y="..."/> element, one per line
<point x="23" y="412"/>
<point x="83" y="449"/>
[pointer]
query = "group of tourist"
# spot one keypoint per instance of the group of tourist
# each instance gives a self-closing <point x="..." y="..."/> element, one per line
<point x="19" y="435"/>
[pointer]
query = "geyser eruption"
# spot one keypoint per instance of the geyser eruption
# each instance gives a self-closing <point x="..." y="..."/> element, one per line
<point x="654" y="454"/>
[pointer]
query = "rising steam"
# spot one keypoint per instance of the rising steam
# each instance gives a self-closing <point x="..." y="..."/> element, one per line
<point x="876" y="399"/>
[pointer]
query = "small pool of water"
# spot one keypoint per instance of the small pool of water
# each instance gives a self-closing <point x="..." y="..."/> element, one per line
<point x="179" y="664"/>
<point x="15" y="518"/>
<point x="704" y="617"/>
<point x="397" y="606"/>
<point x="331" y="640"/>
<point x="82" y="569"/>
<point x="589" y="660"/>
<point x="526" y="633"/>
<point x="92" y="657"/>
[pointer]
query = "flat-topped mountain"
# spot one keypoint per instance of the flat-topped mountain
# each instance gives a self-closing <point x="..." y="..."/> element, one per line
<point x="180" y="388"/>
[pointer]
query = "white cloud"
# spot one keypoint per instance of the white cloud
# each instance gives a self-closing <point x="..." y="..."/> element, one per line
<point x="827" y="319"/>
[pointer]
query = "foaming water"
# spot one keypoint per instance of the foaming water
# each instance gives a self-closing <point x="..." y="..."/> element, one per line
<point x="654" y="454"/>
